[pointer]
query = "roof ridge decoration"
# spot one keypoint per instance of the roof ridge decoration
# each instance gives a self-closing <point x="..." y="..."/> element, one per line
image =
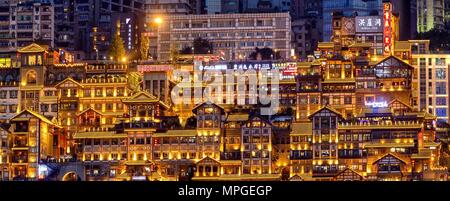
<point x="32" y="48"/>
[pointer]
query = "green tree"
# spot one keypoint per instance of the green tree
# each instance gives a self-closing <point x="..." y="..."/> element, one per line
<point x="116" y="48"/>
<point x="174" y="53"/>
<point x="202" y="46"/>
<point x="439" y="39"/>
<point x="145" y="46"/>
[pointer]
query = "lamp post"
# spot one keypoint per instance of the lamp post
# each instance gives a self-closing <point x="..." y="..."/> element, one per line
<point x="156" y="23"/>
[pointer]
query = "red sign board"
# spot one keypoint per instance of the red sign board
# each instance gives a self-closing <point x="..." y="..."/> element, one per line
<point x="387" y="13"/>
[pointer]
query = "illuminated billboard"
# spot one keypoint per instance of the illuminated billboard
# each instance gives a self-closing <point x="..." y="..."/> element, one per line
<point x="387" y="13"/>
<point x="369" y="24"/>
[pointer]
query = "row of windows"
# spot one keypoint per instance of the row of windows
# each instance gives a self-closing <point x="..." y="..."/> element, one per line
<point x="4" y="108"/>
<point x="12" y="94"/>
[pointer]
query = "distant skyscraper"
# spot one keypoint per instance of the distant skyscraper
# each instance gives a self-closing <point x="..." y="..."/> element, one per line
<point x="306" y="26"/>
<point x="348" y="8"/>
<point x="447" y="13"/>
<point x="430" y="15"/>
<point x="231" y="6"/>
<point x="213" y="6"/>
<point x="267" y="5"/>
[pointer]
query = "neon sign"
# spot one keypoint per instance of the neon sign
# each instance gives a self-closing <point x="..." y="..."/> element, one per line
<point x="376" y="104"/>
<point x="387" y="15"/>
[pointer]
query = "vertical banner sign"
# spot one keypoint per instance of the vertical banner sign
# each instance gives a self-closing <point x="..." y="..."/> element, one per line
<point x="387" y="11"/>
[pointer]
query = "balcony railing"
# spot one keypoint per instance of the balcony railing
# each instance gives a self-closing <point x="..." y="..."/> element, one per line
<point x="20" y="159"/>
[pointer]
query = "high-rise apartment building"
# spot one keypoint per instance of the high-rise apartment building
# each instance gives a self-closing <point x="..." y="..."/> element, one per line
<point x="232" y="35"/>
<point x="433" y="79"/>
<point x="26" y="22"/>
<point x="85" y="26"/>
<point x="430" y="14"/>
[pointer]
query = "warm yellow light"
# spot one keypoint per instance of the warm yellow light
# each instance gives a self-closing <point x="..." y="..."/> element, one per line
<point x="158" y="20"/>
<point x="124" y="59"/>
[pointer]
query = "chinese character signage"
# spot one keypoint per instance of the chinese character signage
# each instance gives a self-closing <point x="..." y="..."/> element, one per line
<point x="369" y="24"/>
<point x="387" y="15"/>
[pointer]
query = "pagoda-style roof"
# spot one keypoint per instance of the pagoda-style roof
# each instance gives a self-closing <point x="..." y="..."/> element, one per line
<point x="390" y="155"/>
<point x="326" y="108"/>
<point x="393" y="67"/>
<point x="90" y="109"/>
<point x="399" y="101"/>
<point x="69" y="80"/>
<point x="393" y="61"/>
<point x="144" y="97"/>
<point x="194" y="110"/>
<point x="27" y="114"/>
<point x="208" y="161"/>
<point x="32" y="48"/>
<point x="349" y="171"/>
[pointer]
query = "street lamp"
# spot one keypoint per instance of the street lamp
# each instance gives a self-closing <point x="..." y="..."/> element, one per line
<point x="158" y="20"/>
<point x="154" y="27"/>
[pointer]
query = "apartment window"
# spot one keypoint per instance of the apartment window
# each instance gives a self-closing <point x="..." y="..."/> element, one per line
<point x="87" y="92"/>
<point x="109" y="92"/>
<point x="98" y="106"/>
<point x="441" y="101"/>
<point x="109" y="106"/>
<point x="3" y="108"/>
<point x="12" y="108"/>
<point x="13" y="94"/>
<point x="96" y="141"/>
<point x="140" y="140"/>
<point x="120" y="91"/>
<point x="348" y="100"/>
<point x="441" y="88"/>
<point x="440" y="61"/>
<point x="54" y="107"/>
<point x="98" y="92"/>
<point x="441" y="73"/>
<point x="3" y="94"/>
<point x="441" y="112"/>
<point x="44" y="108"/>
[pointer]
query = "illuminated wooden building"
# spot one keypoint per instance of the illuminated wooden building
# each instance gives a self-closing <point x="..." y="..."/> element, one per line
<point x="383" y="82"/>
<point x="9" y="92"/>
<point x="143" y="119"/>
<point x="383" y="145"/>
<point x="5" y="153"/>
<point x="301" y="153"/>
<point x="309" y="81"/>
<point x="209" y="129"/>
<point x="35" y="139"/>
<point x="325" y="142"/>
<point x="257" y="146"/>
<point x="230" y="157"/>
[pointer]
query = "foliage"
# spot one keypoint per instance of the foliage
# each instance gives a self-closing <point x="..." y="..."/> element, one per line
<point x="264" y="54"/>
<point x="439" y="39"/>
<point x="116" y="48"/>
<point x="145" y="46"/>
<point x="201" y="46"/>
